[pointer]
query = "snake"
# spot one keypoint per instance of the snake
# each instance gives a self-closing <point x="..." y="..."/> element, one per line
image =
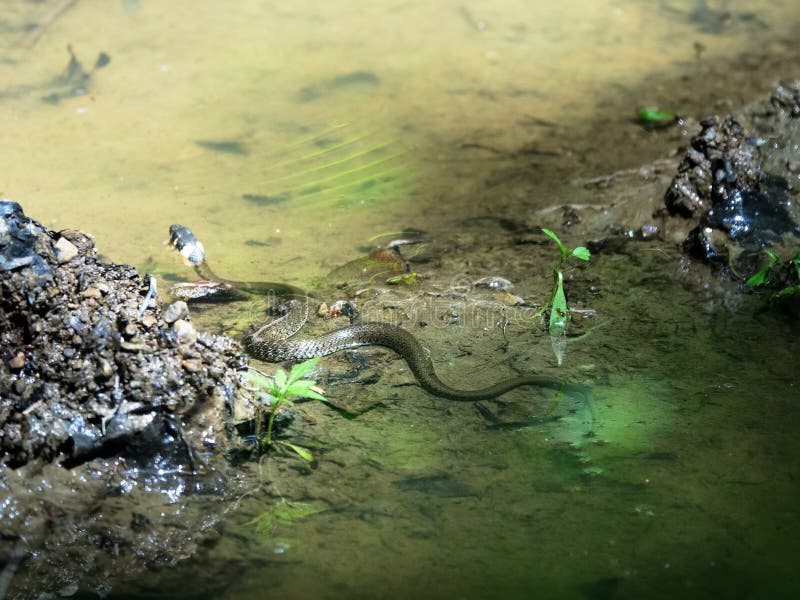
<point x="276" y="342"/>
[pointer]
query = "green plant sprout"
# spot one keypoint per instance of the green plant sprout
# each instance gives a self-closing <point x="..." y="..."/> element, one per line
<point x="277" y="392"/>
<point x="654" y="117"/>
<point x="559" y="312"/>
<point x="285" y="512"/>
<point x="761" y="278"/>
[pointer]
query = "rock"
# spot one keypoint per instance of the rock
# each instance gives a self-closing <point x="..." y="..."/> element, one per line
<point x="74" y="326"/>
<point x="176" y="310"/>
<point x="102" y="415"/>
<point x="65" y="250"/>
<point x="17" y="361"/>
<point x="508" y="298"/>
<point x="719" y="160"/>
<point x="185" y="331"/>
<point x="785" y="98"/>
<point x="722" y="185"/>
<point x="92" y="292"/>
<point x="493" y="283"/>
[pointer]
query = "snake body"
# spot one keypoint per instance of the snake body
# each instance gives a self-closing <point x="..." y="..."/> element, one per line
<point x="275" y="341"/>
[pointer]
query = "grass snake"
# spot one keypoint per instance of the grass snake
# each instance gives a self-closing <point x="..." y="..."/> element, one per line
<point x="275" y="341"/>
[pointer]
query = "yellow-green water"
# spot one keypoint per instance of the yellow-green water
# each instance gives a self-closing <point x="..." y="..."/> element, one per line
<point x="263" y="75"/>
<point x="286" y="134"/>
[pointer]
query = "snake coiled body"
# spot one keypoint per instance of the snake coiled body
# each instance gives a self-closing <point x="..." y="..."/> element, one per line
<point x="275" y="341"/>
<point x="272" y="349"/>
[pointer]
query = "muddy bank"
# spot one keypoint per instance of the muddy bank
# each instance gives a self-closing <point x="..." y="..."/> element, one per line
<point x="92" y="365"/>
<point x="113" y="415"/>
<point x="738" y="180"/>
<point x="723" y="196"/>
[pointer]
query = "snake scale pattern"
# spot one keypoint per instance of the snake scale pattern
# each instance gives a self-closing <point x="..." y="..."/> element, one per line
<point x="276" y="341"/>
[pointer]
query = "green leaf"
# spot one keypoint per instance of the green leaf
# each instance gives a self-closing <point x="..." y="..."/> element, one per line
<point x="582" y="253"/>
<point x="282" y="513"/>
<point x="280" y="381"/>
<point x="307" y="393"/>
<point x="264" y="523"/>
<point x="558" y="321"/>
<point x="299" y="450"/>
<point x="404" y="279"/>
<point x="296" y="388"/>
<point x="654" y="115"/>
<point x="760" y="277"/>
<point x="558" y="308"/>
<point x="788" y="291"/>
<point x="302" y="369"/>
<point x="554" y="237"/>
<point x="303" y="389"/>
<point x="258" y="380"/>
<point x="795" y="260"/>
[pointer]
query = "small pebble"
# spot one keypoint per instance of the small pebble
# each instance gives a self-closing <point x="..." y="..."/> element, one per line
<point x="509" y="299"/>
<point x="149" y="320"/>
<point x="647" y="231"/>
<point x="176" y="310"/>
<point x="92" y="292"/>
<point x="17" y="361"/>
<point x="104" y="369"/>
<point x="187" y="334"/>
<point x="132" y="346"/>
<point x="68" y="590"/>
<point x="191" y="365"/>
<point x="65" y="250"/>
<point x="493" y="283"/>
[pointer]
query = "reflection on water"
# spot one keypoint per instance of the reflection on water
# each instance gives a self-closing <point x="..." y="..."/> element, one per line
<point x="286" y="134"/>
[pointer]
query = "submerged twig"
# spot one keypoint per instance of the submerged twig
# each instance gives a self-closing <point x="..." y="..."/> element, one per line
<point x="37" y="32"/>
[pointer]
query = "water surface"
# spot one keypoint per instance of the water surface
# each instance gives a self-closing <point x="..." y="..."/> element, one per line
<point x="287" y="134"/>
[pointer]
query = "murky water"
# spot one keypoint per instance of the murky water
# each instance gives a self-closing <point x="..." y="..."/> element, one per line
<point x="288" y="134"/>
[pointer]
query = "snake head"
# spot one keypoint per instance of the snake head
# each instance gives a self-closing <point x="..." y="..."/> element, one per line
<point x="187" y="244"/>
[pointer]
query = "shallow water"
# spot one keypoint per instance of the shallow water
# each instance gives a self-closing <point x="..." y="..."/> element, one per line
<point x="286" y="135"/>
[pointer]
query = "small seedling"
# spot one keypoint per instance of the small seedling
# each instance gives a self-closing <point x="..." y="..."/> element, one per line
<point x="653" y="117"/>
<point x="762" y="277"/>
<point x="404" y="279"/>
<point x="559" y="313"/>
<point x="277" y="392"/>
<point x="283" y="513"/>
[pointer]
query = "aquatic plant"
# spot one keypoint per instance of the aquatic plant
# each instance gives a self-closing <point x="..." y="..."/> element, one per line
<point x="275" y="393"/>
<point x="791" y="267"/>
<point x="653" y="117"/>
<point x="285" y="512"/>
<point x="559" y="312"/>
